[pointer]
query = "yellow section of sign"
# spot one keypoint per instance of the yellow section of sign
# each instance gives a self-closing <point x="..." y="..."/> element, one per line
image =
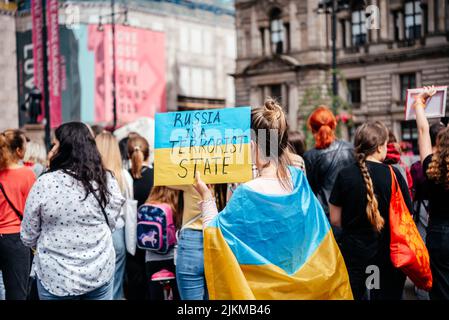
<point x="225" y="164"/>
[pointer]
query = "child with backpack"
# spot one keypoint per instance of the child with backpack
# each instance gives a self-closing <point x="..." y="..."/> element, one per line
<point x="156" y="234"/>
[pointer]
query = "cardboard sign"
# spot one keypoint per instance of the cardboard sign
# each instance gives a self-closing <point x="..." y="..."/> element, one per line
<point x="435" y="106"/>
<point x="214" y="142"/>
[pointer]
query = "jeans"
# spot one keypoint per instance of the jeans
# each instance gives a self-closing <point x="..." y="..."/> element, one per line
<point x="438" y="246"/>
<point x="2" y="287"/>
<point x="118" y="238"/>
<point x="102" y="293"/>
<point x="15" y="265"/>
<point x="190" y="266"/>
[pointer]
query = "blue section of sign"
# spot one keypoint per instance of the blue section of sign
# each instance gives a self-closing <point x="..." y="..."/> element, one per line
<point x="203" y="127"/>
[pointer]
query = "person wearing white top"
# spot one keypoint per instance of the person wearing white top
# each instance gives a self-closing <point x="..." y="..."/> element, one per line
<point x="69" y="217"/>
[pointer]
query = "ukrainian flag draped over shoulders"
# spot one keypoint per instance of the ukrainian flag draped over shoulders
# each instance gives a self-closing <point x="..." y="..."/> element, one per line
<point x="274" y="247"/>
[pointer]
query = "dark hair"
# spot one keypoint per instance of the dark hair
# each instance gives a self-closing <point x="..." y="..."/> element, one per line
<point x="297" y="142"/>
<point x="434" y="130"/>
<point x="391" y="137"/>
<point x="123" y="146"/>
<point x="79" y="157"/>
<point x="10" y="141"/>
<point x="97" y="129"/>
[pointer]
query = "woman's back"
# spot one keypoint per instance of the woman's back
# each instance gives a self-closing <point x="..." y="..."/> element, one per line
<point x="438" y="195"/>
<point x="349" y="192"/>
<point x="72" y="237"/>
<point x="16" y="184"/>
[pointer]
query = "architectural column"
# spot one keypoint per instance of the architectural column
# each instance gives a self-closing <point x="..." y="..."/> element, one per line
<point x="295" y="37"/>
<point x="348" y="28"/>
<point x="431" y="16"/>
<point x="285" y="38"/>
<point x="401" y="25"/>
<point x="442" y="16"/>
<point x="284" y="96"/>
<point x="267" y="41"/>
<point x="340" y="39"/>
<point x="385" y="22"/>
<point x="391" y="26"/>
<point x="265" y="92"/>
<point x="255" y="96"/>
<point x="256" y="46"/>
<point x="293" y="106"/>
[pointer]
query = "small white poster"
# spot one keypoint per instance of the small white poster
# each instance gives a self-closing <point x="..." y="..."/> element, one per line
<point x="435" y="105"/>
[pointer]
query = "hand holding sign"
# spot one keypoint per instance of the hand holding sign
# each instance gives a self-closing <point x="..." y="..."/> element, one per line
<point x="435" y="107"/>
<point x="213" y="142"/>
<point x="422" y="97"/>
<point x="201" y="187"/>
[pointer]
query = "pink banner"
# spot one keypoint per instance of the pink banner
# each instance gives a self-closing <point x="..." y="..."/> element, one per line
<point x="38" y="49"/>
<point x="139" y="68"/>
<point x="54" y="64"/>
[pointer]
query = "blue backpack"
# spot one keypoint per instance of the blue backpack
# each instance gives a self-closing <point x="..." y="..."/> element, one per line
<point x="155" y="228"/>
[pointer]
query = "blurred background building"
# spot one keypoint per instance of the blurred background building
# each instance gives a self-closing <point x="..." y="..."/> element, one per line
<point x="169" y="55"/>
<point x="284" y="50"/>
<point x="180" y="55"/>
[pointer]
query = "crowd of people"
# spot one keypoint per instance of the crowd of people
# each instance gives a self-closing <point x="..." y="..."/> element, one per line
<point x="64" y="215"/>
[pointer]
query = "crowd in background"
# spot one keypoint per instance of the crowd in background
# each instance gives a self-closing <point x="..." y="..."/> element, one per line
<point x="63" y="215"/>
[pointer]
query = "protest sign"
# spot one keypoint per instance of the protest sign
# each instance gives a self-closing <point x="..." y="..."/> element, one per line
<point x="215" y="143"/>
<point x="435" y="106"/>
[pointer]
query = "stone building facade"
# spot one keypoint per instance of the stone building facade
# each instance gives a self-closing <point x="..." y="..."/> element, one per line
<point x="284" y="50"/>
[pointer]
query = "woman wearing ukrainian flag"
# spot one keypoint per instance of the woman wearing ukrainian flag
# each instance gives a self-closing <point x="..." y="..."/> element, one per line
<point x="273" y="240"/>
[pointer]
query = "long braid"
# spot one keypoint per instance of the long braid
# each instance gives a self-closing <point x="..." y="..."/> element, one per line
<point x="372" y="207"/>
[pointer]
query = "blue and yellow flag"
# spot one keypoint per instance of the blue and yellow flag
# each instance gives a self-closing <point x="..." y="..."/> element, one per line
<point x="274" y="247"/>
<point x="215" y="142"/>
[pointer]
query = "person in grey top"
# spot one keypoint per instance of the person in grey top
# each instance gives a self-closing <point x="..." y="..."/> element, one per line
<point x="69" y="216"/>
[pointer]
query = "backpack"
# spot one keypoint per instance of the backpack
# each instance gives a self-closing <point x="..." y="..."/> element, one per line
<point x="155" y="228"/>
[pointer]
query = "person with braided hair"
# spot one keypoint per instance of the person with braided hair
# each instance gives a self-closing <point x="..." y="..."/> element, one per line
<point x="359" y="204"/>
<point x="436" y="170"/>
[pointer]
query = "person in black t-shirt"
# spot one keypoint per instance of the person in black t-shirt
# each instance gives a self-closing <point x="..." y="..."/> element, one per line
<point x="436" y="171"/>
<point x="359" y="204"/>
<point x="139" y="152"/>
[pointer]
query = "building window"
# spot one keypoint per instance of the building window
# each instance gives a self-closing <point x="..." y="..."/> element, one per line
<point x="343" y="33"/>
<point x="276" y="30"/>
<point x="396" y="25"/>
<point x="409" y="134"/>
<point x="412" y="20"/>
<point x="408" y="81"/>
<point x="287" y="37"/>
<point x="358" y="28"/>
<point x="262" y="37"/>
<point x="276" y="92"/>
<point x="354" y="92"/>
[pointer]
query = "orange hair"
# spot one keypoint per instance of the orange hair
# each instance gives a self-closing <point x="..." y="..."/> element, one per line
<point x="322" y="123"/>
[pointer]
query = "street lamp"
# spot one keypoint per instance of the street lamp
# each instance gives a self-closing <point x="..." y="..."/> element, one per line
<point x="101" y="28"/>
<point x="332" y="7"/>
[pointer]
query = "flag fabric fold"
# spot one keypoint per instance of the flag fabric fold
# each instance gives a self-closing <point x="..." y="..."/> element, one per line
<point x="274" y="247"/>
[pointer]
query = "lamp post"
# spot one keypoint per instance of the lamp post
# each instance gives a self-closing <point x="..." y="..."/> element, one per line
<point x="100" y="28"/>
<point x="332" y="7"/>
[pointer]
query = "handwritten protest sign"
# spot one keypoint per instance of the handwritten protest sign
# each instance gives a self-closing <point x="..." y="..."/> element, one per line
<point x="435" y="106"/>
<point x="215" y="143"/>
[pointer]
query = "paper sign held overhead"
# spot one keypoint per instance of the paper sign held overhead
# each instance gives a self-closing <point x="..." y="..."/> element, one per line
<point x="215" y="143"/>
<point x="435" y="106"/>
